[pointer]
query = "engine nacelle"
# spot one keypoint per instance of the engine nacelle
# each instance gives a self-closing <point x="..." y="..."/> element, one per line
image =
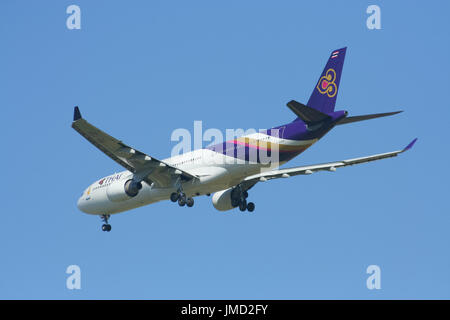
<point x="222" y="199"/>
<point x="120" y="191"/>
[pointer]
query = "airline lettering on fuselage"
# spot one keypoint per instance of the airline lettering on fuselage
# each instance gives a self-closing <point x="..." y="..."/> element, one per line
<point x="110" y="179"/>
<point x="107" y="181"/>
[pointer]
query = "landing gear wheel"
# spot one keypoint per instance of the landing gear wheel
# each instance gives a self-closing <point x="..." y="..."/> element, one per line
<point x="182" y="201"/>
<point x="243" y="205"/>
<point x="234" y="202"/>
<point x="190" y="202"/>
<point x="250" y="207"/>
<point x="106" y="226"/>
<point x="174" y="197"/>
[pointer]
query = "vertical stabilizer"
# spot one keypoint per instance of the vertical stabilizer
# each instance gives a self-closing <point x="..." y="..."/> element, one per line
<point x="323" y="97"/>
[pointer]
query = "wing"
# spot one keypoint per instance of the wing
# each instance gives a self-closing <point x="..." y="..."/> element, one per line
<point x="143" y="166"/>
<point x="330" y="166"/>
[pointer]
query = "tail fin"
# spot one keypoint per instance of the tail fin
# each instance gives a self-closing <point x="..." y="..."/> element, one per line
<point x="323" y="97"/>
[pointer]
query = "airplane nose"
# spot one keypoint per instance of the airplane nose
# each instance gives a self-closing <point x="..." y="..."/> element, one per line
<point x="81" y="204"/>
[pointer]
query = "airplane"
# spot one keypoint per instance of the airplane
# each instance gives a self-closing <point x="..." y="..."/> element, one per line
<point x="232" y="167"/>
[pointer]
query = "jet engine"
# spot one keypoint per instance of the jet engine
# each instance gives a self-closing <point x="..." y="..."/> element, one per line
<point x="222" y="199"/>
<point x="120" y="191"/>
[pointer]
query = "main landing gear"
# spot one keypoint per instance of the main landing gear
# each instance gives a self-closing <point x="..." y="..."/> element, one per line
<point x="180" y="196"/>
<point x="239" y="199"/>
<point x="106" y="226"/>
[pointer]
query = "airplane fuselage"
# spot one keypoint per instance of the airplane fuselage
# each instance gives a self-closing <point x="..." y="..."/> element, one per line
<point x="218" y="167"/>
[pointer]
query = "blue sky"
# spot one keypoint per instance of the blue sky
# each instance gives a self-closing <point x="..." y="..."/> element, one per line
<point x="141" y="69"/>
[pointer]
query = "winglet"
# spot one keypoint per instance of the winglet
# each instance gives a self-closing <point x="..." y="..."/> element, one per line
<point x="410" y="145"/>
<point x="76" y="114"/>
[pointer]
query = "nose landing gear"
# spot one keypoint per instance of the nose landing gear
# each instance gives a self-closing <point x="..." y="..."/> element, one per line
<point x="106" y="226"/>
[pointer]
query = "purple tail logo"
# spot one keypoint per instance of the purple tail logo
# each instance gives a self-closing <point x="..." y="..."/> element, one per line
<point x="327" y="83"/>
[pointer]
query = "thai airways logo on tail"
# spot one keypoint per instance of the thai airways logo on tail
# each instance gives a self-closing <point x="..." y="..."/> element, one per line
<point x="323" y="97"/>
<point x="327" y="84"/>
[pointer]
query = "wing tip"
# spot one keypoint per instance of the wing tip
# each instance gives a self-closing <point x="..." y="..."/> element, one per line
<point x="410" y="145"/>
<point x="76" y="114"/>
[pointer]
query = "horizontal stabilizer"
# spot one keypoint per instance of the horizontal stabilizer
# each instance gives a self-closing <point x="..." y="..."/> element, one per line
<point x="307" y="114"/>
<point x="366" y="117"/>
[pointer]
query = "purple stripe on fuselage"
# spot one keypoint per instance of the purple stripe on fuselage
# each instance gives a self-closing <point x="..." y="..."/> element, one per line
<point x="296" y="130"/>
